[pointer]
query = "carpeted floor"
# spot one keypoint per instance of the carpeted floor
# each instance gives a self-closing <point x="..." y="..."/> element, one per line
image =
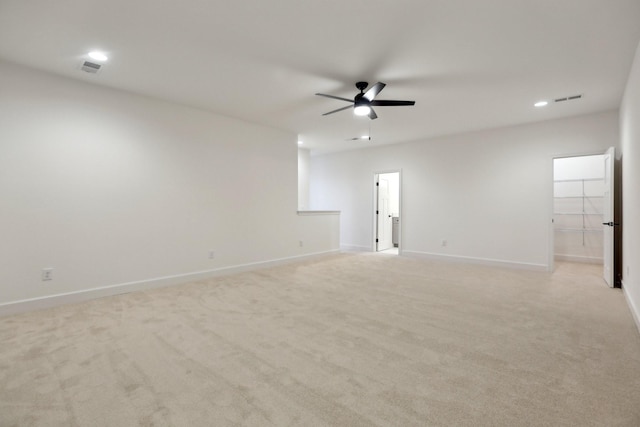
<point x="348" y="340"/>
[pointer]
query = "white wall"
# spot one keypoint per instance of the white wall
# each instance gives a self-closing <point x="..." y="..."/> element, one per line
<point x="630" y="147"/>
<point x="489" y="193"/>
<point x="110" y="188"/>
<point x="581" y="167"/>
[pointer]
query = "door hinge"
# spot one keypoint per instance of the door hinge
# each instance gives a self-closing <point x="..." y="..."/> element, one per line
<point x="377" y="212"/>
<point x="377" y="184"/>
<point x="376" y="240"/>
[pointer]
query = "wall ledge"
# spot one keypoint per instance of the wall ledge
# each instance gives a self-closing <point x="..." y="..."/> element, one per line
<point x="56" y="300"/>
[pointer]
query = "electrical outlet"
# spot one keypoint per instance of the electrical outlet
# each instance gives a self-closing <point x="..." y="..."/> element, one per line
<point x="443" y="242"/>
<point x="47" y="274"/>
<point x="301" y="243"/>
<point x="212" y="254"/>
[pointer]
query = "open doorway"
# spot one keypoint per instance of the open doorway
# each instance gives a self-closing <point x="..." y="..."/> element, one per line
<point x="583" y="210"/>
<point x="578" y="191"/>
<point x="387" y="213"/>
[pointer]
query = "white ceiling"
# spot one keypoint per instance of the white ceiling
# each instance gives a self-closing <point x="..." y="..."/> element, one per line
<point x="468" y="64"/>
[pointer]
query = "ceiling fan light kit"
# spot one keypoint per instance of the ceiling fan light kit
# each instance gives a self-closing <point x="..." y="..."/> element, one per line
<point x="363" y="102"/>
<point x="361" y="110"/>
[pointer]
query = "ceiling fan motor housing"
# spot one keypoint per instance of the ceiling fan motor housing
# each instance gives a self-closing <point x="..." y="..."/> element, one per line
<point x="360" y="100"/>
<point x="362" y="86"/>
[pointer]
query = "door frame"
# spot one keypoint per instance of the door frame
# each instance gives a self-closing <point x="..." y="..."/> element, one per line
<point x="374" y="204"/>
<point x="552" y="248"/>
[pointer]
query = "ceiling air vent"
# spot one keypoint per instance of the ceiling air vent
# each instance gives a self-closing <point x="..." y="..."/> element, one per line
<point x="568" y="98"/>
<point x="90" y="67"/>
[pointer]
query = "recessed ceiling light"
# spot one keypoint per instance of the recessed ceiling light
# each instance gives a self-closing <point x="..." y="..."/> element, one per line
<point x="364" y="137"/>
<point x="540" y="103"/>
<point x="300" y="143"/>
<point x="98" y="56"/>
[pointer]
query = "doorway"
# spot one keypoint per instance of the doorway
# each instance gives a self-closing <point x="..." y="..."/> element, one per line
<point x="583" y="210"/>
<point x="387" y="221"/>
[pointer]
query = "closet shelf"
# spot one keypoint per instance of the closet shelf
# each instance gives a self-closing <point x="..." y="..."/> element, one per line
<point x="577" y="213"/>
<point x="579" y="180"/>
<point x="586" y="202"/>
<point x="584" y="196"/>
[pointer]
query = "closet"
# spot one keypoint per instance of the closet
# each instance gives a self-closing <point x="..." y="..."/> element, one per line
<point x="578" y="208"/>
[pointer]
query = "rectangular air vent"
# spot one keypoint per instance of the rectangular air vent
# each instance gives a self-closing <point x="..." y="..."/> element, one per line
<point x="568" y="98"/>
<point x="90" y="67"/>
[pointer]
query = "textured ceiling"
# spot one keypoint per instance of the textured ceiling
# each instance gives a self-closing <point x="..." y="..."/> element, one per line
<point x="468" y="64"/>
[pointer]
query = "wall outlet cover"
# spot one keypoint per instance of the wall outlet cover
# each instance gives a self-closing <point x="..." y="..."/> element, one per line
<point x="47" y="274"/>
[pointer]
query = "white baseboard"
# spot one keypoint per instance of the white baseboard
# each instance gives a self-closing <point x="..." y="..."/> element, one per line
<point x="355" y="248"/>
<point x="49" y="301"/>
<point x="635" y="312"/>
<point x="474" y="260"/>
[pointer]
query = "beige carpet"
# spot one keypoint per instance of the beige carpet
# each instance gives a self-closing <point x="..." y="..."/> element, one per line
<point x="349" y="340"/>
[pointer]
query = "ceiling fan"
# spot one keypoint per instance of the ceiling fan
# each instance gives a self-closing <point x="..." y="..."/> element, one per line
<point x="364" y="101"/>
<point x="359" y="138"/>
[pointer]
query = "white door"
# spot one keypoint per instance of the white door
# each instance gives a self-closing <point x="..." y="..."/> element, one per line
<point x="384" y="220"/>
<point x="608" y="217"/>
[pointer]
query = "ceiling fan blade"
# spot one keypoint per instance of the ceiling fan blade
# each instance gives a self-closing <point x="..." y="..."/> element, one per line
<point x="372" y="115"/>
<point x="374" y="90"/>
<point x="334" y="97"/>
<point x="339" y="109"/>
<point x="390" y="103"/>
